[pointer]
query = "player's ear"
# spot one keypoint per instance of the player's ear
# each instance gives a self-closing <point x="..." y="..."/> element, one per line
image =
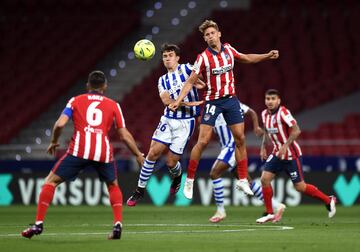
<point x="88" y="86"/>
<point x="219" y="34"/>
<point x="177" y="58"/>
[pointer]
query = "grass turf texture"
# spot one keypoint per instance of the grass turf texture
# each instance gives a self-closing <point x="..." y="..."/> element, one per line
<point x="169" y="228"/>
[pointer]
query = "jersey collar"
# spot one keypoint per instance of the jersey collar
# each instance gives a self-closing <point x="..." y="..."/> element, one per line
<point x="215" y="52"/>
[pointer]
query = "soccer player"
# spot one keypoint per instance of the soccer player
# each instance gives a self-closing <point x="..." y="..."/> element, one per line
<point x="175" y="128"/>
<point x="283" y="131"/>
<point x="93" y="115"/>
<point x="216" y="65"/>
<point x="226" y="161"/>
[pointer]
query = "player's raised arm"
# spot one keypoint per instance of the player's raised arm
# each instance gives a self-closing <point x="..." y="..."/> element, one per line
<point x="185" y="90"/>
<point x="255" y="58"/>
<point x="57" y="129"/>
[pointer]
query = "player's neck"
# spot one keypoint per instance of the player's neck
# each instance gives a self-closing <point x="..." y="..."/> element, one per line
<point x="274" y="111"/>
<point x="96" y="91"/>
<point x="173" y="69"/>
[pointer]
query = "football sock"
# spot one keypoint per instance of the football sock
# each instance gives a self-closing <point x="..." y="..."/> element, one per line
<point x="257" y="190"/>
<point x="268" y="193"/>
<point x="116" y="199"/>
<point x="193" y="164"/>
<point x="314" y="192"/>
<point x="219" y="193"/>
<point x="45" y="198"/>
<point x="145" y="173"/>
<point x="242" y="168"/>
<point x="175" y="171"/>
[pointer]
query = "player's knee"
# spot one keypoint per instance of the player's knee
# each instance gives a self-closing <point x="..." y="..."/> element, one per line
<point x="153" y="154"/>
<point x="214" y="174"/>
<point x="171" y="163"/>
<point x="265" y="181"/>
<point x="240" y="140"/>
<point x="202" y="143"/>
<point x="300" y="187"/>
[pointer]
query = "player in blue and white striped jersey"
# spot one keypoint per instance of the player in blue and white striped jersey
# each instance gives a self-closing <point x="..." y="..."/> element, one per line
<point x="226" y="160"/>
<point x="175" y="128"/>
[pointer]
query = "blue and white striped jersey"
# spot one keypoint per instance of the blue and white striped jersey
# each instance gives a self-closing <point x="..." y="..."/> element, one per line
<point x="224" y="132"/>
<point x="172" y="82"/>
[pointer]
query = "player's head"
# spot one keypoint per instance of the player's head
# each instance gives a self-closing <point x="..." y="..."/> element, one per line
<point x="272" y="99"/>
<point x="170" y="55"/>
<point x="211" y="33"/>
<point x="97" y="81"/>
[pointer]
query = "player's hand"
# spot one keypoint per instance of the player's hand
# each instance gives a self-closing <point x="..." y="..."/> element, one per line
<point x="263" y="154"/>
<point x="282" y="151"/>
<point x="174" y="106"/>
<point x="258" y="131"/>
<point x="194" y="103"/>
<point x="140" y="159"/>
<point x="273" y="54"/>
<point x="52" y="148"/>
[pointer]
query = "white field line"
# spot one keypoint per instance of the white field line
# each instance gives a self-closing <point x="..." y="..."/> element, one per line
<point x="244" y="228"/>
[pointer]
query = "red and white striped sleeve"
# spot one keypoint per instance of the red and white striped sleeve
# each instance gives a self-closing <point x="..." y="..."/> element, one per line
<point x="119" y="118"/>
<point x="287" y="117"/>
<point x="236" y="54"/>
<point x="199" y="64"/>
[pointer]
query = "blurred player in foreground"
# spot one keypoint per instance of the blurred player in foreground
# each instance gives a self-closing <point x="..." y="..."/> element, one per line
<point x="283" y="130"/>
<point x="93" y="115"/>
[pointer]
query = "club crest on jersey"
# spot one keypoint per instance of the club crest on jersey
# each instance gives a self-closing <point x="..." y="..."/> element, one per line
<point x="227" y="56"/>
<point x="221" y="70"/>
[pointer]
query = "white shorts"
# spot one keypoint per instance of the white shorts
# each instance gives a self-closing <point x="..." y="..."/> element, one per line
<point x="175" y="133"/>
<point x="227" y="155"/>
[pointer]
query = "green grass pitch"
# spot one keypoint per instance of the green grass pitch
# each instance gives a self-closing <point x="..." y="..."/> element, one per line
<point x="169" y="228"/>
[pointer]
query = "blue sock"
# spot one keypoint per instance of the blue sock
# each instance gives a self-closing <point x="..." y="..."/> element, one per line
<point x="145" y="173"/>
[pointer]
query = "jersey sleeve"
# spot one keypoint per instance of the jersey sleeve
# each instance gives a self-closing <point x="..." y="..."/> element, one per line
<point x="236" y="54"/>
<point x="68" y="110"/>
<point x="199" y="64"/>
<point x="119" y="118"/>
<point x="244" y="107"/>
<point x="287" y="117"/>
<point x="188" y="68"/>
<point x="161" y="85"/>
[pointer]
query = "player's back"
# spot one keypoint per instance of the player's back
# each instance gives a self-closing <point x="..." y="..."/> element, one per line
<point x="93" y="115"/>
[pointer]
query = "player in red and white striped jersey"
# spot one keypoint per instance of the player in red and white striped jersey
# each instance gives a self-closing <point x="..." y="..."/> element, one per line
<point x="216" y="65"/>
<point x="282" y="128"/>
<point x="93" y="115"/>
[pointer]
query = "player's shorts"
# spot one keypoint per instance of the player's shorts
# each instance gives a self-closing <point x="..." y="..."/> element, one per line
<point x="68" y="168"/>
<point x="293" y="168"/>
<point x="228" y="106"/>
<point x="227" y="155"/>
<point x="175" y="133"/>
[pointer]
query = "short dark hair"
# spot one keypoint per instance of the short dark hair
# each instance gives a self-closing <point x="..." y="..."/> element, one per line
<point x="97" y="79"/>
<point x="272" y="92"/>
<point x="170" y="47"/>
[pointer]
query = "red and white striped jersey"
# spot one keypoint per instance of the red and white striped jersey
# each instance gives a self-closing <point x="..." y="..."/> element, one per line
<point x="93" y="115"/>
<point x="278" y="126"/>
<point x="217" y="71"/>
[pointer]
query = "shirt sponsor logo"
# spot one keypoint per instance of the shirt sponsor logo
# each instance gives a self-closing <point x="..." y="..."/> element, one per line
<point x="207" y="117"/>
<point x="93" y="130"/>
<point x="272" y="130"/>
<point x="221" y="70"/>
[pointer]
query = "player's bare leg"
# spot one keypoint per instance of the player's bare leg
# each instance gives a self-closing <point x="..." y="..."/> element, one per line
<point x="156" y="150"/>
<point x="174" y="166"/>
<point x="237" y="131"/>
<point x="205" y="134"/>
<point x="45" y="199"/>
<point x="266" y="178"/>
<point x="216" y="172"/>
<point x="313" y="191"/>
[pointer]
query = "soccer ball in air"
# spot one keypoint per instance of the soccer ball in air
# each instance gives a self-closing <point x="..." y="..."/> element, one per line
<point x="144" y="49"/>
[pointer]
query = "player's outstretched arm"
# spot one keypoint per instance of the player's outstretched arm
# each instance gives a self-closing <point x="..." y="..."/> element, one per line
<point x="166" y="99"/>
<point x="184" y="91"/>
<point x="57" y="129"/>
<point x="129" y="141"/>
<point x="255" y="58"/>
<point x="258" y="131"/>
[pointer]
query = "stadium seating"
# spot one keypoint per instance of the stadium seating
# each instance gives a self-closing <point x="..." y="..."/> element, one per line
<point x="48" y="45"/>
<point x="318" y="43"/>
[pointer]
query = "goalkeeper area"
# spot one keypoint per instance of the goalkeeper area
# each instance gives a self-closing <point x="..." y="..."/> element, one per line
<point x="148" y="228"/>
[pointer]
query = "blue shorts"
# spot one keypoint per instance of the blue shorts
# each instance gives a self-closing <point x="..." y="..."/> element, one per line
<point x="68" y="168"/>
<point x="228" y="106"/>
<point x="293" y="168"/>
